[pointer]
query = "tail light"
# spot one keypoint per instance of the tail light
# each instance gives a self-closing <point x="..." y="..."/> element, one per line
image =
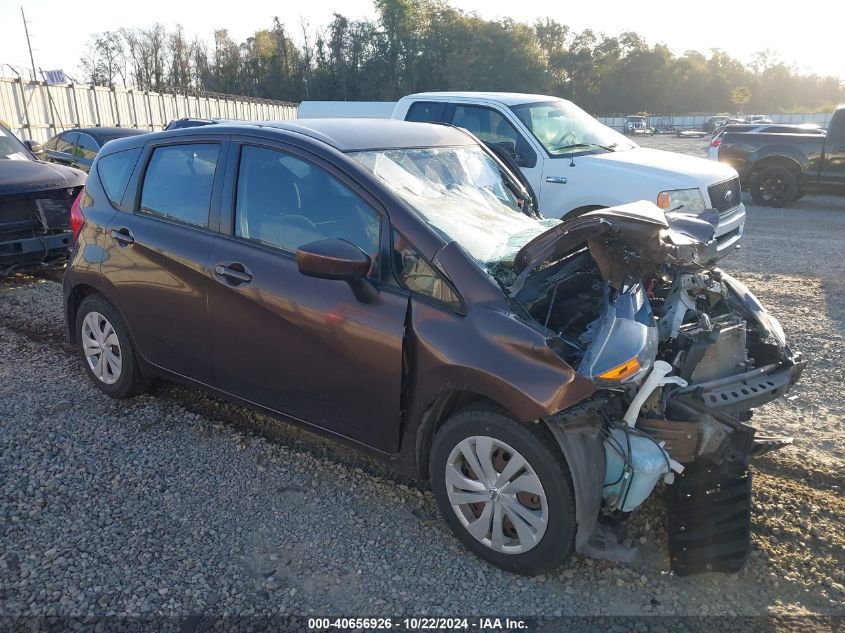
<point x="716" y="142"/>
<point x="77" y="217"/>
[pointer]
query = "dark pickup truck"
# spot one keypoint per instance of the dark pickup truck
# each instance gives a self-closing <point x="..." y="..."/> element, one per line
<point x="35" y="208"/>
<point x="780" y="168"/>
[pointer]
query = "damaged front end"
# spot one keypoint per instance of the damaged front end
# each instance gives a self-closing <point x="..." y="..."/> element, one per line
<point x="680" y="354"/>
<point x="35" y="219"/>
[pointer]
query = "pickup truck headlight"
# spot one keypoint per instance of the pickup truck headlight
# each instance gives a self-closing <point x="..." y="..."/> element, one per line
<point x="682" y="201"/>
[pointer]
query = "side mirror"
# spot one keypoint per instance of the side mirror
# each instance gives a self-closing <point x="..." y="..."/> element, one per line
<point x="339" y="259"/>
<point x="35" y="148"/>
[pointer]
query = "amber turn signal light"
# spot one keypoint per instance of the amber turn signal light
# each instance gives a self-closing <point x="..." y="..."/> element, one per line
<point x="623" y="371"/>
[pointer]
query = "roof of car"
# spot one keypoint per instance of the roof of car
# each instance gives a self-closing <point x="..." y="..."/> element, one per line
<point x="108" y="133"/>
<point x="506" y="98"/>
<point x="354" y="134"/>
<point x="346" y="135"/>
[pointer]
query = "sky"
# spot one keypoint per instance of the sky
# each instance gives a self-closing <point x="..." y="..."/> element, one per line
<point x="810" y="38"/>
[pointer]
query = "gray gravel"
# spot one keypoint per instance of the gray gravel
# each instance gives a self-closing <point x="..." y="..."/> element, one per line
<point x="176" y="503"/>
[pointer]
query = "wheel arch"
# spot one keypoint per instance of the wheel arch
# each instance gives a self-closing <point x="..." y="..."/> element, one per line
<point x="440" y="410"/>
<point x="796" y="167"/>
<point x="74" y="299"/>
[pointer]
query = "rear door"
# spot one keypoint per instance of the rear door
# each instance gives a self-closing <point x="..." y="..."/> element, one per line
<point x="158" y="252"/>
<point x="298" y="345"/>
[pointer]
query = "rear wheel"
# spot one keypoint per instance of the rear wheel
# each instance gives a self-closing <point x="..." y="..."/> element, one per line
<point x="773" y="186"/>
<point x="504" y="489"/>
<point x="106" y="349"/>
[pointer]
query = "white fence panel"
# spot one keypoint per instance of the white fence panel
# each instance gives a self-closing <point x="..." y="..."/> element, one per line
<point x="35" y="111"/>
<point x="697" y="121"/>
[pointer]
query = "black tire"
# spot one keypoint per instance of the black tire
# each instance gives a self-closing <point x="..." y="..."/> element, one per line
<point x="773" y="186"/>
<point x="539" y="448"/>
<point x="131" y="380"/>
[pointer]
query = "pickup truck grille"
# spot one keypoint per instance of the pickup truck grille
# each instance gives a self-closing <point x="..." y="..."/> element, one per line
<point x="724" y="195"/>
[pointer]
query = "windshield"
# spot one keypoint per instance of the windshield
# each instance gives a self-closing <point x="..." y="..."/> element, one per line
<point x="564" y="128"/>
<point x="460" y="193"/>
<point x="11" y="148"/>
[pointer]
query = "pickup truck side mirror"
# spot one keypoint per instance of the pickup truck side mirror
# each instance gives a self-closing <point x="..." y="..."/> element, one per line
<point x="35" y="148"/>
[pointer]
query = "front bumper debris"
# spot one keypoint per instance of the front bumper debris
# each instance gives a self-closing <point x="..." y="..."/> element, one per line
<point x="709" y="511"/>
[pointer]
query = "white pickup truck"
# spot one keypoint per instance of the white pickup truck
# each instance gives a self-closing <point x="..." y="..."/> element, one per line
<point x="575" y="164"/>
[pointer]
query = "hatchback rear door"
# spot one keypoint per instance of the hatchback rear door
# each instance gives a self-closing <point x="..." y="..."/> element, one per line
<point x="302" y="346"/>
<point x="157" y="251"/>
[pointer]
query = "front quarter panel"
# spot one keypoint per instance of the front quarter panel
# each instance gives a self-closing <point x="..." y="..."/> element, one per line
<point x="490" y="353"/>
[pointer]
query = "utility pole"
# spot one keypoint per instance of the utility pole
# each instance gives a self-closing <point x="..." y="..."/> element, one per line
<point x="29" y="45"/>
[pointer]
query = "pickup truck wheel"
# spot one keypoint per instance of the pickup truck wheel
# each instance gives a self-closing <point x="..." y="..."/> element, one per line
<point x="504" y="489"/>
<point x="106" y="349"/>
<point x="773" y="187"/>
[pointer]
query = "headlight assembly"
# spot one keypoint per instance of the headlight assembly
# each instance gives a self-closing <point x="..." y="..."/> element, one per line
<point x="682" y="201"/>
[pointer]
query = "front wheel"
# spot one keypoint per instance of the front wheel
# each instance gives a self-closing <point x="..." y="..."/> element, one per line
<point x="773" y="187"/>
<point x="504" y="489"/>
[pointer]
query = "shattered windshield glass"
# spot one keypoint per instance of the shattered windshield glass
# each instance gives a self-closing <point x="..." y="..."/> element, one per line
<point x="458" y="191"/>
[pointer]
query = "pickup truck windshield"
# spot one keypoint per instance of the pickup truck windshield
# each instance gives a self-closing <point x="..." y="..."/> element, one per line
<point x="563" y="128"/>
<point x="460" y="193"/>
<point x="11" y="148"/>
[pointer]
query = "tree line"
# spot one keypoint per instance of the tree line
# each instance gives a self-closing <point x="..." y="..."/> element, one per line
<point x="418" y="45"/>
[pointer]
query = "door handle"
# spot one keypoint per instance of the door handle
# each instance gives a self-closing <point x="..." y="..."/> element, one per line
<point x="558" y="180"/>
<point x="123" y="237"/>
<point x="236" y="273"/>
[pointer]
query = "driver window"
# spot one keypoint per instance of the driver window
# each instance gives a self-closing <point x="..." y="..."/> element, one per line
<point x="486" y="124"/>
<point x="286" y="202"/>
<point x="492" y="128"/>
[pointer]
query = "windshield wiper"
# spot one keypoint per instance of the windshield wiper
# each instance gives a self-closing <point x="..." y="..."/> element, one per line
<point x="609" y="148"/>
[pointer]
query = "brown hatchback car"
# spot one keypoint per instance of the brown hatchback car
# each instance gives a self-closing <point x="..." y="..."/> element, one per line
<point x="390" y="284"/>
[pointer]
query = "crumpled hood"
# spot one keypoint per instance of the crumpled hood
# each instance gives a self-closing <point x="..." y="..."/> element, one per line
<point x="20" y="177"/>
<point x="678" y="171"/>
<point x="622" y="239"/>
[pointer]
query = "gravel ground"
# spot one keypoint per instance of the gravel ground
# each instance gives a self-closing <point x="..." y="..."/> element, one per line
<point x="177" y="503"/>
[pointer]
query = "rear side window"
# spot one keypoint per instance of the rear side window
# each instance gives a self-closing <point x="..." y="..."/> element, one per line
<point x="86" y="147"/>
<point x="426" y="112"/>
<point x="114" y="171"/>
<point x="179" y="181"/>
<point x="66" y="142"/>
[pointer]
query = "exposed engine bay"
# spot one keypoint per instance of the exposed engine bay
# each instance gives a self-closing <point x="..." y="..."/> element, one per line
<point x="680" y="354"/>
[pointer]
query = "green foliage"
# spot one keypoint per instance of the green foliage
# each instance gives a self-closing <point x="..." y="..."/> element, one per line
<point x="740" y="96"/>
<point x="417" y="45"/>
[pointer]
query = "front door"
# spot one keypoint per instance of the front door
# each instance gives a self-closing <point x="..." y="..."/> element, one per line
<point x="832" y="170"/>
<point x="298" y="345"/>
